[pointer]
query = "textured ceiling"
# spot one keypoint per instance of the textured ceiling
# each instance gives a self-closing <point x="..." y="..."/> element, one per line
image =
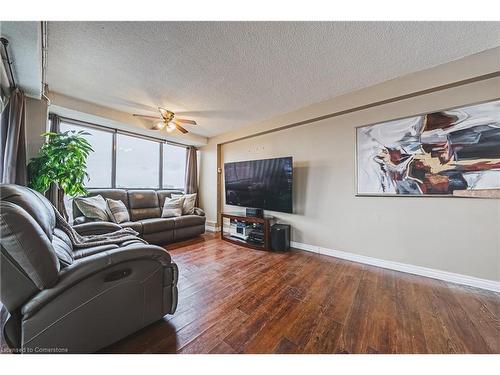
<point x="25" y="51"/>
<point x="227" y="74"/>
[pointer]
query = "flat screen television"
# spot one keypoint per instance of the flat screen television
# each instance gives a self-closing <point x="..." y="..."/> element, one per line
<point x="265" y="184"/>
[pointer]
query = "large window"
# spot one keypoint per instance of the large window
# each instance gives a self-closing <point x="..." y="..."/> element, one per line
<point x="128" y="161"/>
<point x="99" y="162"/>
<point x="137" y="162"/>
<point x="174" y="166"/>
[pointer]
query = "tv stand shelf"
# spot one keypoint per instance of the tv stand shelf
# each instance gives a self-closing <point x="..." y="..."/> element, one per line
<point x="266" y="221"/>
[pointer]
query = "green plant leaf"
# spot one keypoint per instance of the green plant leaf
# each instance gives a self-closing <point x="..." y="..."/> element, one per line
<point x="62" y="160"/>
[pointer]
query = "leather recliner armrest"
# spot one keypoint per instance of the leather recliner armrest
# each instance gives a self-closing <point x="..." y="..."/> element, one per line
<point x="96" y="227"/>
<point x="83" y="219"/>
<point x="198" y="211"/>
<point x="88" y="266"/>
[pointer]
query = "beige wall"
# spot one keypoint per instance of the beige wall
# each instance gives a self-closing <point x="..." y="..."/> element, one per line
<point x="450" y="234"/>
<point x="36" y="124"/>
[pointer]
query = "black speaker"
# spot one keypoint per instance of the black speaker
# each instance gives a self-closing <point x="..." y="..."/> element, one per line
<point x="255" y="212"/>
<point x="280" y="237"/>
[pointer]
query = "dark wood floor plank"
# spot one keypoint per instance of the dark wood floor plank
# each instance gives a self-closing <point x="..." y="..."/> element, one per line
<point x="359" y="324"/>
<point x="238" y="300"/>
<point x="487" y="318"/>
<point x="214" y="336"/>
<point x="285" y="346"/>
<point x="222" y="348"/>
<point x="410" y="329"/>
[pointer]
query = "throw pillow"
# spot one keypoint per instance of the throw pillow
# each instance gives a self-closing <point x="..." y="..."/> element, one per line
<point x="117" y="211"/>
<point x="189" y="202"/>
<point x="93" y="207"/>
<point x="172" y="207"/>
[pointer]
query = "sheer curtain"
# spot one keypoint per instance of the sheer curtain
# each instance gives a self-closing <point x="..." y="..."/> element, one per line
<point x="13" y="140"/>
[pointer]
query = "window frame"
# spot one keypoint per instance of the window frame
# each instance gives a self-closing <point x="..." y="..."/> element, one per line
<point x="115" y="133"/>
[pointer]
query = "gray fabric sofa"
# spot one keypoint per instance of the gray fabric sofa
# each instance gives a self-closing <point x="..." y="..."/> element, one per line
<point x="145" y="207"/>
<point x="61" y="299"/>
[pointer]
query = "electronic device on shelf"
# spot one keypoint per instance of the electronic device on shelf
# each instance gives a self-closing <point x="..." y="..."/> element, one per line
<point x="240" y="229"/>
<point x="256" y="236"/>
<point x="254" y="212"/>
<point x="247" y="231"/>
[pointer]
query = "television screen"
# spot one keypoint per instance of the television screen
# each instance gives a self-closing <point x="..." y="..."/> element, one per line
<point x="265" y="184"/>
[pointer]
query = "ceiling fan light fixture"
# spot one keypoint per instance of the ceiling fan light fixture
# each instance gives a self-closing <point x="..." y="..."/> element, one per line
<point x="170" y="127"/>
<point x="169" y="122"/>
<point x="160" y="125"/>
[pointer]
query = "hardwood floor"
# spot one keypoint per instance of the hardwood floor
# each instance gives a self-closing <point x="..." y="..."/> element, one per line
<point x="238" y="300"/>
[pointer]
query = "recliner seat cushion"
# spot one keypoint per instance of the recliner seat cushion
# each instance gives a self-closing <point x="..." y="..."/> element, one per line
<point x="85" y="252"/>
<point x="188" y="220"/>
<point x="157" y="225"/>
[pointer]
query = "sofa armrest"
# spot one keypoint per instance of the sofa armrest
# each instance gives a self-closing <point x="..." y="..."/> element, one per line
<point x="96" y="227"/>
<point x="198" y="211"/>
<point x="98" y="263"/>
<point x="83" y="219"/>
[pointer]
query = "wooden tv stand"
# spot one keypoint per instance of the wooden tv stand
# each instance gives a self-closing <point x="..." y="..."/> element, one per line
<point x="266" y="221"/>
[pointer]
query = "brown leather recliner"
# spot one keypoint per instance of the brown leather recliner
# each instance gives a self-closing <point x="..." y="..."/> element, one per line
<point x="60" y="299"/>
<point x="145" y="207"/>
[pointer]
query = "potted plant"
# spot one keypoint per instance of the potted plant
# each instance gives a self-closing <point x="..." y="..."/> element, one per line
<point x="61" y="163"/>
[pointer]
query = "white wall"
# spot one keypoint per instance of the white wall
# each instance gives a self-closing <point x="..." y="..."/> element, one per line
<point x="450" y="234"/>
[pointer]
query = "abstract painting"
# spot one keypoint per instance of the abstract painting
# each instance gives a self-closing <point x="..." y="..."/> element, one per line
<point x="450" y="153"/>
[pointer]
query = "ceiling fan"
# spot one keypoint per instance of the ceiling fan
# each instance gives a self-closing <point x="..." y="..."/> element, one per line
<point x="169" y="121"/>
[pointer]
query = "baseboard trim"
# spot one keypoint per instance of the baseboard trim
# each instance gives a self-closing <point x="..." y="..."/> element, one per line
<point x="403" y="267"/>
<point x="212" y="227"/>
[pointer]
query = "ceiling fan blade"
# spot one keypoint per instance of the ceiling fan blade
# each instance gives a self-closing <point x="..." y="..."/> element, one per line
<point x="155" y="117"/>
<point x="184" y="121"/>
<point x="180" y="128"/>
<point x="163" y="112"/>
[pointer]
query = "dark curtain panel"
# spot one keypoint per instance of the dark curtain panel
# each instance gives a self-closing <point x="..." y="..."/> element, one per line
<point x="191" y="171"/>
<point x="13" y="140"/>
<point x="54" y="194"/>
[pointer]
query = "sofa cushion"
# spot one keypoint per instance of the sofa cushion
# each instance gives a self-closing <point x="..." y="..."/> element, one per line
<point x="157" y="225"/>
<point x="162" y="194"/>
<point x="143" y="204"/>
<point x="117" y="211"/>
<point x="93" y="207"/>
<point x="116" y="194"/>
<point x="189" y="202"/>
<point x="188" y="221"/>
<point x="172" y="207"/>
<point x="135" y="225"/>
